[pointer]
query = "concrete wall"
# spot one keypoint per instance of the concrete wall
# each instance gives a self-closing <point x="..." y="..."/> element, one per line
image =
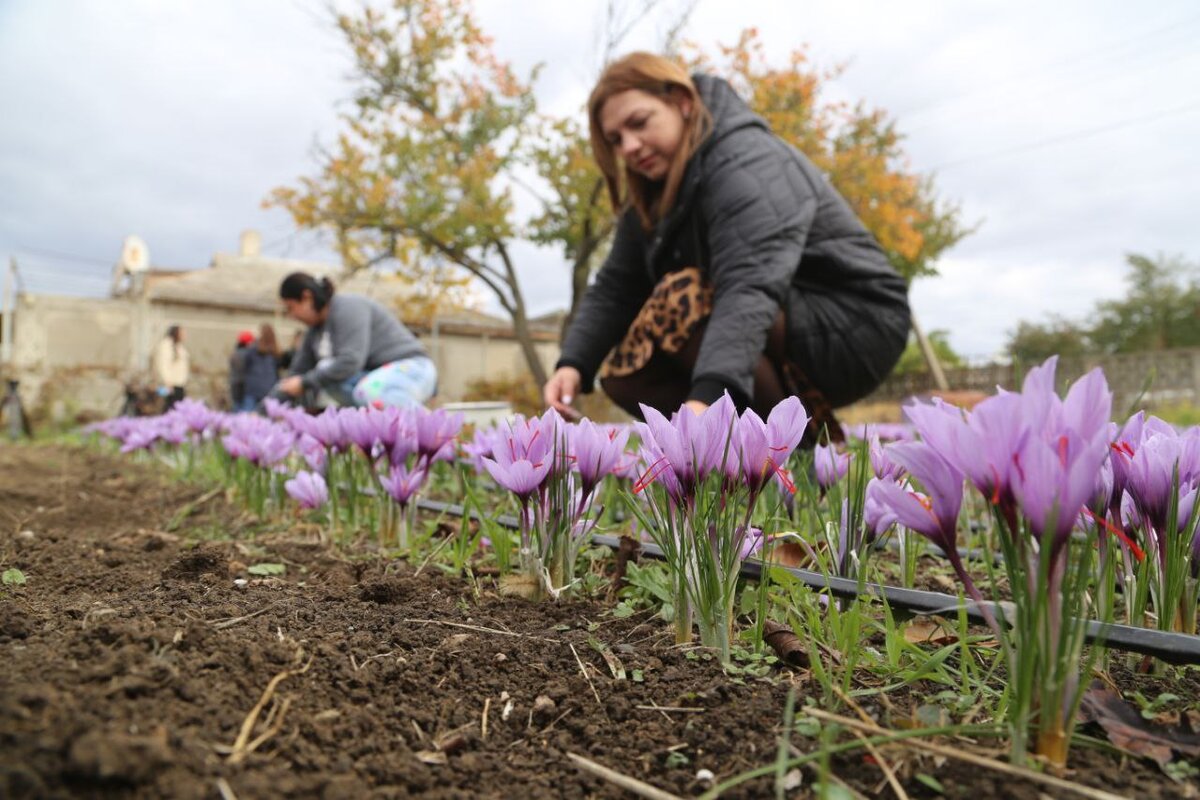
<point x="76" y="354"/>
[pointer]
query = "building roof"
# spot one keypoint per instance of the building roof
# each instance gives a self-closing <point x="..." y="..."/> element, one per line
<point x="252" y="282"/>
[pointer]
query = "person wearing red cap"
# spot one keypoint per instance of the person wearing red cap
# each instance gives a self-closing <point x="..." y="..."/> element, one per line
<point x="237" y="370"/>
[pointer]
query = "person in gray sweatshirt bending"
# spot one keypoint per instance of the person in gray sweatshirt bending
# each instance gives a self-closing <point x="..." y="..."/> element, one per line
<point x="355" y="351"/>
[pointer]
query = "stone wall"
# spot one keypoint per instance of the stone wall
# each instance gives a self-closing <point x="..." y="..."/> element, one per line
<point x="74" y="355"/>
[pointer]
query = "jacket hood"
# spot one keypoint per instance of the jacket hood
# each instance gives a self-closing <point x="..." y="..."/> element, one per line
<point x="729" y="111"/>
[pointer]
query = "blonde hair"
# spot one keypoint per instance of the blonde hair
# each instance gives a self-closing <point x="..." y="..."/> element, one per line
<point x="664" y="79"/>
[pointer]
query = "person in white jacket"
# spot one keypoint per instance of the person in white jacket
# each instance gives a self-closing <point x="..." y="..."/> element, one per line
<point x="171" y="365"/>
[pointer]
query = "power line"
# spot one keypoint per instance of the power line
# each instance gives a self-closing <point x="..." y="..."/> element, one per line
<point x="55" y="254"/>
<point x="1015" y="79"/>
<point x="1068" y="137"/>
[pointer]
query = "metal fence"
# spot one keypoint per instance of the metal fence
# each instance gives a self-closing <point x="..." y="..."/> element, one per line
<point x="1149" y="379"/>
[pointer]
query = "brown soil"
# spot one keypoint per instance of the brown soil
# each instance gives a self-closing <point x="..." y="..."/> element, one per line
<point x="131" y="660"/>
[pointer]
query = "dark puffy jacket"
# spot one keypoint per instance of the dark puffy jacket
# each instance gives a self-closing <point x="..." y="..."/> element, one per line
<point x="261" y="373"/>
<point x="770" y="232"/>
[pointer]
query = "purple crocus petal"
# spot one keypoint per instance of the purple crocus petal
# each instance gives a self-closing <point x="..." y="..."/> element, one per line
<point x="752" y="461"/>
<point x="1102" y="491"/>
<point x="1149" y="477"/>
<point x="326" y="428"/>
<point x="555" y="433"/>
<point x="1189" y="457"/>
<point x="785" y="428"/>
<point x="670" y="445"/>
<point x="908" y="508"/>
<point x="997" y="429"/>
<point x="830" y="465"/>
<point x="941" y="480"/>
<point x="312" y="451"/>
<point x="235" y="445"/>
<point x="1183" y="517"/>
<point x="711" y="436"/>
<point x="435" y="429"/>
<point x="597" y="452"/>
<point x="359" y="428"/>
<point x="750" y="543"/>
<point x="140" y="439"/>
<point x="1130" y="518"/>
<point x="521" y="477"/>
<point x="878" y="516"/>
<point x="881" y="465"/>
<point x="1053" y="482"/>
<point x="194" y="414"/>
<point x="401" y="484"/>
<point x="1039" y="399"/>
<point x="1088" y="405"/>
<point x="308" y="489"/>
<point x="655" y="467"/>
<point x="275" y="446"/>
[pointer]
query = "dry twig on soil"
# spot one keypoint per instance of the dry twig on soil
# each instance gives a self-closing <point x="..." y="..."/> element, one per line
<point x="242" y="747"/>
<point x="970" y="758"/>
<point x="627" y="783"/>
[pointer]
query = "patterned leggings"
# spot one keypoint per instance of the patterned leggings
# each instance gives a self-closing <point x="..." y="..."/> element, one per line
<point x="653" y="363"/>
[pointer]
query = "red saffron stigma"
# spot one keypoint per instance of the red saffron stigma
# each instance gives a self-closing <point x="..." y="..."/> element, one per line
<point x="996" y="485"/>
<point x="647" y="478"/>
<point x="1138" y="553"/>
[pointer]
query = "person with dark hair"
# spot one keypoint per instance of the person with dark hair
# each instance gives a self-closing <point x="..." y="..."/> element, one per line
<point x="171" y="367"/>
<point x="237" y="370"/>
<point x="261" y="368"/>
<point x="736" y="266"/>
<point x="355" y="351"/>
<point x="285" y="358"/>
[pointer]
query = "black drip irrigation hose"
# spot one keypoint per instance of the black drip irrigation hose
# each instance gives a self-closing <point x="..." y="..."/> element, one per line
<point x="1175" y="648"/>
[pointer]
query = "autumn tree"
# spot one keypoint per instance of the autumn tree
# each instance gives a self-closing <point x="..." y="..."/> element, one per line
<point x="577" y="216"/>
<point x="412" y="180"/>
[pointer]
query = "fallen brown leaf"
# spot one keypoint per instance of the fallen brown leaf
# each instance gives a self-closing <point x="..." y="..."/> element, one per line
<point x="934" y="631"/>
<point x="785" y="643"/>
<point x="1128" y="730"/>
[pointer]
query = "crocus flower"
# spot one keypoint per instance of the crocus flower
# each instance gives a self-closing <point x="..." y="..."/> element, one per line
<point x="402" y="484"/>
<point x="1149" y="477"/>
<point x="364" y="428"/>
<point x="877" y="513"/>
<point x="325" y="427"/>
<point x="935" y="515"/>
<point x="312" y="451"/>
<point x="830" y="465"/>
<point x="763" y="449"/>
<point x="674" y="451"/>
<point x="1053" y="482"/>
<point x="194" y="414"/>
<point x="308" y="489"/>
<point x="597" y="452"/>
<point x="435" y="429"/>
<point x="881" y="465"/>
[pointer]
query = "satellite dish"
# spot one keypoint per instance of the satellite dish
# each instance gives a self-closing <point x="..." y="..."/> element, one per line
<point x="135" y="256"/>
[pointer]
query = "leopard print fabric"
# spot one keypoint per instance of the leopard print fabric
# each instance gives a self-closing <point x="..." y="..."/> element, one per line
<point x="681" y="300"/>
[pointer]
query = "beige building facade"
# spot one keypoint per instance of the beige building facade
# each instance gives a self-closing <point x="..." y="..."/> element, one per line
<point x="74" y="356"/>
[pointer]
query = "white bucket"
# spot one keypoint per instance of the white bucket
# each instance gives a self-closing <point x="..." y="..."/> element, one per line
<point x="482" y="413"/>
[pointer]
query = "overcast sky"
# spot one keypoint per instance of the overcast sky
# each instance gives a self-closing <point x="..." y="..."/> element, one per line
<point x="1070" y="131"/>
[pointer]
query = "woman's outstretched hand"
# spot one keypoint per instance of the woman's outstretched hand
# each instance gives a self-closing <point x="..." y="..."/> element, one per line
<point x="561" y="390"/>
<point x="291" y="385"/>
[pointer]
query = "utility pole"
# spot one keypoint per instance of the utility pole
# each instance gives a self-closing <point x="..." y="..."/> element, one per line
<point x="11" y="408"/>
<point x="931" y="359"/>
